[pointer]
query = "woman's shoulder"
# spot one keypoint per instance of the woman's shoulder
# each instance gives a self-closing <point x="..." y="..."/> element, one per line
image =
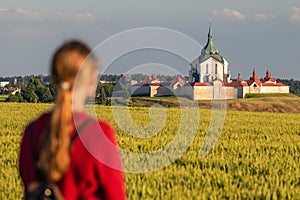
<point x="81" y="118"/>
<point x="89" y="125"/>
<point x="39" y="122"/>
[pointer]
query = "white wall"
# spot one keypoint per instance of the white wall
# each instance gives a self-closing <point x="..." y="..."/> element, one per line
<point x="275" y="89"/>
<point x="203" y="92"/>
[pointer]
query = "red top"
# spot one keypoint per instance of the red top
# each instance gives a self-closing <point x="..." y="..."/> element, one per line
<point x="88" y="177"/>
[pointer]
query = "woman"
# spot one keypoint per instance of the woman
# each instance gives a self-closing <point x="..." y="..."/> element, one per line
<point x="50" y="151"/>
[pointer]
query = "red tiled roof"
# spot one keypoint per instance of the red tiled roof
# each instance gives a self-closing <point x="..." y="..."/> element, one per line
<point x="256" y="80"/>
<point x="235" y="84"/>
<point x="155" y="84"/>
<point x="147" y="81"/>
<point x="240" y="79"/>
<point x="273" y="84"/>
<point x="178" y="79"/>
<point x="202" y="84"/>
<point x="253" y="79"/>
<point x="268" y="77"/>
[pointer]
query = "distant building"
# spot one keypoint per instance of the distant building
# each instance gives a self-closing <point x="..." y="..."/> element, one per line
<point x="4" y="83"/>
<point x="209" y="78"/>
<point x="210" y="65"/>
<point x="16" y="90"/>
<point x="126" y="79"/>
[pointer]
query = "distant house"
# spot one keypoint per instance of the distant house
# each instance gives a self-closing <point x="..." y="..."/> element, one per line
<point x="15" y="91"/>
<point x="4" y="83"/>
<point x="126" y="79"/>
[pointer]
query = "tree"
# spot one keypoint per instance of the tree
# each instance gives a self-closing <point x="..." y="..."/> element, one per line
<point x="15" y="98"/>
<point x="28" y="93"/>
<point x="44" y="94"/>
<point x="53" y="90"/>
<point x="35" y="92"/>
<point x="103" y="96"/>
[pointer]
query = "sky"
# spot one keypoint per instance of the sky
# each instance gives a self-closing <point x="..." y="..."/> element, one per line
<point x="250" y="34"/>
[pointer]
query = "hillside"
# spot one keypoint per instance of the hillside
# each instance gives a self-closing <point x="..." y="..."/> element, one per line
<point x="289" y="104"/>
<point x="266" y="104"/>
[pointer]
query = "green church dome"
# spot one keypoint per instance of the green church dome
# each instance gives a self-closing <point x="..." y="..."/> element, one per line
<point x="210" y="50"/>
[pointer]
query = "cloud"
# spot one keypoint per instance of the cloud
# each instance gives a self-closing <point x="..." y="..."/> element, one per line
<point x="39" y="15"/>
<point x="229" y="14"/>
<point x="263" y="17"/>
<point x="294" y="14"/>
<point x="3" y="10"/>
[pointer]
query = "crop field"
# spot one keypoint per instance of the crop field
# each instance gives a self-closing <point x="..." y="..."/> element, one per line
<point x="257" y="155"/>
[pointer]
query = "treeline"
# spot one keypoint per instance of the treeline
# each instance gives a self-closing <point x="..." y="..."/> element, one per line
<point x="38" y="92"/>
<point x="39" y="89"/>
<point x="21" y="80"/>
<point x="35" y="91"/>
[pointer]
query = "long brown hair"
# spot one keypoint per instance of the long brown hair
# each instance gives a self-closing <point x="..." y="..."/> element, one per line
<point x="54" y="157"/>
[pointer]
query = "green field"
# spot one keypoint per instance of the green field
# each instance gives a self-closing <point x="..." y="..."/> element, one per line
<point x="256" y="157"/>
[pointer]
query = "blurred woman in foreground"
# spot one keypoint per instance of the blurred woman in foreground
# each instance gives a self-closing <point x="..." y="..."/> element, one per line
<point x="51" y="150"/>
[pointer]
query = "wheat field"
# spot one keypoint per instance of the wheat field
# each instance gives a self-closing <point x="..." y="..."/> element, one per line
<point x="257" y="155"/>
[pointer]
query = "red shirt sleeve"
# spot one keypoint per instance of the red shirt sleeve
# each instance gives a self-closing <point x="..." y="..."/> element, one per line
<point x="112" y="180"/>
<point x="26" y="161"/>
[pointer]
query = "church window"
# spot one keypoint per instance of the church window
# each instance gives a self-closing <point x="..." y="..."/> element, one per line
<point x="216" y="68"/>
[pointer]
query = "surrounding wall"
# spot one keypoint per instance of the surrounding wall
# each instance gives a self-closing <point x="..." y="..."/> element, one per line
<point x="203" y="93"/>
<point x="216" y="92"/>
<point x="231" y="92"/>
<point x="275" y="89"/>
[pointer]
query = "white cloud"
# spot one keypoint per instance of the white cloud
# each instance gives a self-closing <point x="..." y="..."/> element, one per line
<point x="263" y="17"/>
<point x="38" y="15"/>
<point x="229" y="14"/>
<point x="3" y="10"/>
<point x="294" y="14"/>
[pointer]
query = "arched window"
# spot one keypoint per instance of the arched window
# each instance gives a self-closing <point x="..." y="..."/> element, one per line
<point x="216" y="68"/>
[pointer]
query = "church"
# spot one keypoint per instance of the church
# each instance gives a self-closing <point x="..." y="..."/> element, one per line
<point x="210" y="65"/>
<point x="210" y="79"/>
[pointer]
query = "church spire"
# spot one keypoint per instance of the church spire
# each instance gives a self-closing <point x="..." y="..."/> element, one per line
<point x="209" y="31"/>
<point x="210" y="48"/>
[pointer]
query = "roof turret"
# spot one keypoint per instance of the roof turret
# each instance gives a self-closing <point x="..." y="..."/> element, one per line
<point x="268" y="77"/>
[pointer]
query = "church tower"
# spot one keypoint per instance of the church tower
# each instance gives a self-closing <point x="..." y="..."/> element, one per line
<point x="210" y="65"/>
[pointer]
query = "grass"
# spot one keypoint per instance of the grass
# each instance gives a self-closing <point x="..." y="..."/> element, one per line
<point x="248" y="95"/>
<point x="256" y="157"/>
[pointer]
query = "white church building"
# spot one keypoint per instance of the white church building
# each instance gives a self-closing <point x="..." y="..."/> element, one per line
<point x="210" y="65"/>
